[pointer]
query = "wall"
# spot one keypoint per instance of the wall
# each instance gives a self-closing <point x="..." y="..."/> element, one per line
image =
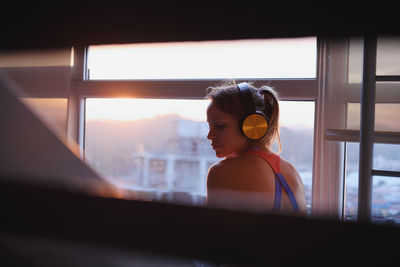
<point x="31" y="146"/>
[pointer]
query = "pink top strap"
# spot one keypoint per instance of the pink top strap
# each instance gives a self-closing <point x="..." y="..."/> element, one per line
<point x="272" y="159"/>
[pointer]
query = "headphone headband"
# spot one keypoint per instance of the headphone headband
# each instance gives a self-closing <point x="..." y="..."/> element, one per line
<point x="246" y="97"/>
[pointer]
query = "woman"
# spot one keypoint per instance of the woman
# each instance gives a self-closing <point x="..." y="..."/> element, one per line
<point x="243" y="123"/>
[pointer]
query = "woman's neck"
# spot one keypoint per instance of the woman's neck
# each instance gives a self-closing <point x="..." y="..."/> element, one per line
<point x="259" y="147"/>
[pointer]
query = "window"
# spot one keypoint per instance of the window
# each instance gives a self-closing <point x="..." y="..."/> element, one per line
<point x="101" y="95"/>
<point x="386" y="116"/>
<point x="248" y="59"/>
<point x="155" y="145"/>
<point x="140" y="108"/>
<point x="160" y="145"/>
<point x="388" y="57"/>
<point x="386" y="189"/>
<point x="341" y="124"/>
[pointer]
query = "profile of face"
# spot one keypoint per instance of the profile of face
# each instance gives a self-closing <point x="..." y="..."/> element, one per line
<point x="224" y="134"/>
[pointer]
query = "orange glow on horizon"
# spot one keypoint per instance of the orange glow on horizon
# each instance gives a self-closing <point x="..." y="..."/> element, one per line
<point x="299" y="113"/>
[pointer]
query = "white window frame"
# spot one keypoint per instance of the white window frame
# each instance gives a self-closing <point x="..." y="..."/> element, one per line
<point x="336" y="76"/>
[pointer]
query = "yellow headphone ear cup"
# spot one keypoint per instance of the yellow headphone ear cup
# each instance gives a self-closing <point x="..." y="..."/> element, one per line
<point x="254" y="126"/>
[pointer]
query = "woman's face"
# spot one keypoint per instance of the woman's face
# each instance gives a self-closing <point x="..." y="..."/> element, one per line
<point x="224" y="134"/>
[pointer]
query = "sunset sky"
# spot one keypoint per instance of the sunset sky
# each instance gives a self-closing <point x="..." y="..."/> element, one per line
<point x="250" y="58"/>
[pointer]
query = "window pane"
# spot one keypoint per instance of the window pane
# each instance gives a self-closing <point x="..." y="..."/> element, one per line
<point x="385" y="189"/>
<point x="154" y="146"/>
<point x="355" y="60"/>
<point x="351" y="181"/>
<point x="297" y="137"/>
<point x="252" y="59"/>
<point x="386" y="157"/>
<point x="159" y="147"/>
<point x="386" y="199"/>
<point x="387" y="58"/>
<point x="386" y="116"/>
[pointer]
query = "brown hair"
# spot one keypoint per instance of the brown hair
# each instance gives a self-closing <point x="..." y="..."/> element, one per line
<point x="226" y="97"/>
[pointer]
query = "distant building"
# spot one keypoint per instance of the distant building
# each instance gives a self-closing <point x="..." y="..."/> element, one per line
<point x="180" y="169"/>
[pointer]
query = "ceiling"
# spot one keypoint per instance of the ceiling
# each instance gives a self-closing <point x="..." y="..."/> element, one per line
<point x="29" y="24"/>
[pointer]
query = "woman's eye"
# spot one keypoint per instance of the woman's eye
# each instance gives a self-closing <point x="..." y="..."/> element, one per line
<point x="220" y="126"/>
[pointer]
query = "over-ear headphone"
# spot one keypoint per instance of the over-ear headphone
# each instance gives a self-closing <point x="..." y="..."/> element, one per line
<point x="254" y="123"/>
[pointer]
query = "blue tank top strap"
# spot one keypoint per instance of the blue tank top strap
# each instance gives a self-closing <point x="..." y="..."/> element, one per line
<point x="281" y="182"/>
<point x="278" y="194"/>
<point x="274" y="161"/>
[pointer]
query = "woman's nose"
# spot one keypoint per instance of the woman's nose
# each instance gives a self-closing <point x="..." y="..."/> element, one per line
<point x="210" y="135"/>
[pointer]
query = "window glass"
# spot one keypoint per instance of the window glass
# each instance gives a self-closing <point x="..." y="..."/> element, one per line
<point x="156" y="146"/>
<point x="386" y="199"/>
<point x="386" y="190"/>
<point x="355" y="65"/>
<point x="251" y="59"/>
<point x="387" y="57"/>
<point x="351" y="181"/>
<point x="386" y="116"/>
<point x="159" y="147"/>
<point x="386" y="157"/>
<point x="297" y="137"/>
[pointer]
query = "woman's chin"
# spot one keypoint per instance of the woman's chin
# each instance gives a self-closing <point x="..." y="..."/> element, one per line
<point x="220" y="154"/>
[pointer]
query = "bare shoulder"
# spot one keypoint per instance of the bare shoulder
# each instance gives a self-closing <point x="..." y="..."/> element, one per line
<point x="214" y="172"/>
<point x="287" y="167"/>
<point x="247" y="172"/>
<point x="290" y="172"/>
<point x="219" y="172"/>
<point x="240" y="184"/>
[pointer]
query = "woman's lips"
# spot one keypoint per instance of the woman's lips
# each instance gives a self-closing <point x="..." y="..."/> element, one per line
<point x="214" y="146"/>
